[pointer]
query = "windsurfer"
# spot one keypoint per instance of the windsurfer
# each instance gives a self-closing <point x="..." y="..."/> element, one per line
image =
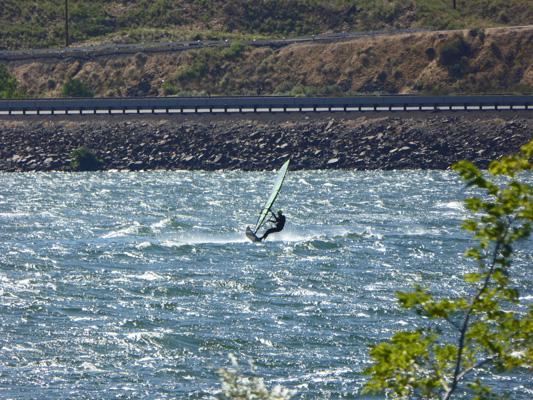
<point x="279" y="222"/>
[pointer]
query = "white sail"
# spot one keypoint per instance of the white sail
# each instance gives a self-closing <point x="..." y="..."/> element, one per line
<point x="273" y="195"/>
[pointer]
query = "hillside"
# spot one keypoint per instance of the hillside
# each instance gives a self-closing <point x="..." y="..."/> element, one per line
<point x="34" y="24"/>
<point x="496" y="60"/>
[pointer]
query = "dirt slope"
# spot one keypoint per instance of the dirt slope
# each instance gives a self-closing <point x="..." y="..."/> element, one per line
<point x="498" y="60"/>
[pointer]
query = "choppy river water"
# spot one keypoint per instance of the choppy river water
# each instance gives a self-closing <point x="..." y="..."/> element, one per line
<point x="139" y="285"/>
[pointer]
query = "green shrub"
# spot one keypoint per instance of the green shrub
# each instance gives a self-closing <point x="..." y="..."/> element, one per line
<point x="502" y="16"/>
<point x="235" y="50"/>
<point x="284" y="88"/>
<point x="76" y="88"/>
<point x="454" y="55"/>
<point x="397" y="73"/>
<point x="51" y="83"/>
<point x="453" y="50"/>
<point x="495" y="49"/>
<point x="197" y="70"/>
<point x="8" y="85"/>
<point x="84" y="159"/>
<point x="170" y="89"/>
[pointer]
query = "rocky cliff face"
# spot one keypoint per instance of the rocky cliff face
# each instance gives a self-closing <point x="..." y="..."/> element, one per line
<point x="364" y="141"/>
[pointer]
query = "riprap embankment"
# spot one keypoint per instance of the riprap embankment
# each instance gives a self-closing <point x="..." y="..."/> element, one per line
<point x="364" y="141"/>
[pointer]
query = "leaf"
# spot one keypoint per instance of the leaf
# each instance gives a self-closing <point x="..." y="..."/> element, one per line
<point x="491" y="331"/>
<point x="472" y="278"/>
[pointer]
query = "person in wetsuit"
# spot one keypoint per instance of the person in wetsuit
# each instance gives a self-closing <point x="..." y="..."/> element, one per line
<point x="279" y="222"/>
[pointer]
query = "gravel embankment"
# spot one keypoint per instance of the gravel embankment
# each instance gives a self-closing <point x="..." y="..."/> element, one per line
<point x="364" y="141"/>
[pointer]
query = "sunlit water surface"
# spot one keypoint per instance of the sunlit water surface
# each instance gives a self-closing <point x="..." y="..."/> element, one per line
<point x="139" y="285"/>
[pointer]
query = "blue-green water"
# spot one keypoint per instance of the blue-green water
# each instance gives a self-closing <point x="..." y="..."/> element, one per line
<point x="139" y="285"/>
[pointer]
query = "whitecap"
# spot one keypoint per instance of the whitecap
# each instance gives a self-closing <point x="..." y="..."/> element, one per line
<point x="401" y="322"/>
<point x="162" y="224"/>
<point x="87" y="366"/>
<point x="143" y="245"/>
<point x="326" y="375"/>
<point x="137" y="336"/>
<point x="149" y="276"/>
<point x="265" y="342"/>
<point x="453" y="205"/>
<point x="14" y="215"/>
<point x="126" y="231"/>
<point x="369" y="232"/>
<point x="307" y="293"/>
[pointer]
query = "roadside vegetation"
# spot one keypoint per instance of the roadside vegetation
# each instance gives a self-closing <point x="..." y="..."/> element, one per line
<point x="75" y="88"/>
<point x="477" y="60"/>
<point x="9" y="85"/>
<point x="33" y="24"/>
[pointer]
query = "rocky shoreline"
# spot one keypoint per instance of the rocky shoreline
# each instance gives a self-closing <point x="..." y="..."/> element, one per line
<point x="362" y="141"/>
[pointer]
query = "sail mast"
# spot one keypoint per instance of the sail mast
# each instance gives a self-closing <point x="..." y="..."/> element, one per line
<point x="273" y="195"/>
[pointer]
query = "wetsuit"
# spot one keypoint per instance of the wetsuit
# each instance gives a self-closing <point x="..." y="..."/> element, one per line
<point x="278" y="221"/>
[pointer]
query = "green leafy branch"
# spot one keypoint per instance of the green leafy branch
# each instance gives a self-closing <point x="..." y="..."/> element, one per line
<point x="491" y="330"/>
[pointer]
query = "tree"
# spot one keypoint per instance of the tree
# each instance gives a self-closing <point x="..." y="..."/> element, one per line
<point x="491" y="328"/>
<point x="8" y="85"/>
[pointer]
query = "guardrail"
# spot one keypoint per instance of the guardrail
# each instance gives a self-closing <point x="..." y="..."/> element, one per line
<point x="193" y="105"/>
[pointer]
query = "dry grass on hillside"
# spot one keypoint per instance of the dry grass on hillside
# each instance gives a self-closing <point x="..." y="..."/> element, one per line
<point x="501" y="60"/>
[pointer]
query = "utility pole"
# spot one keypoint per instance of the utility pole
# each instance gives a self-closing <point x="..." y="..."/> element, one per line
<point x="66" y="23"/>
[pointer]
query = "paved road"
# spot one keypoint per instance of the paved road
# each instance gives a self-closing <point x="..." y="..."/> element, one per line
<point x="258" y="104"/>
<point x="160" y="47"/>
